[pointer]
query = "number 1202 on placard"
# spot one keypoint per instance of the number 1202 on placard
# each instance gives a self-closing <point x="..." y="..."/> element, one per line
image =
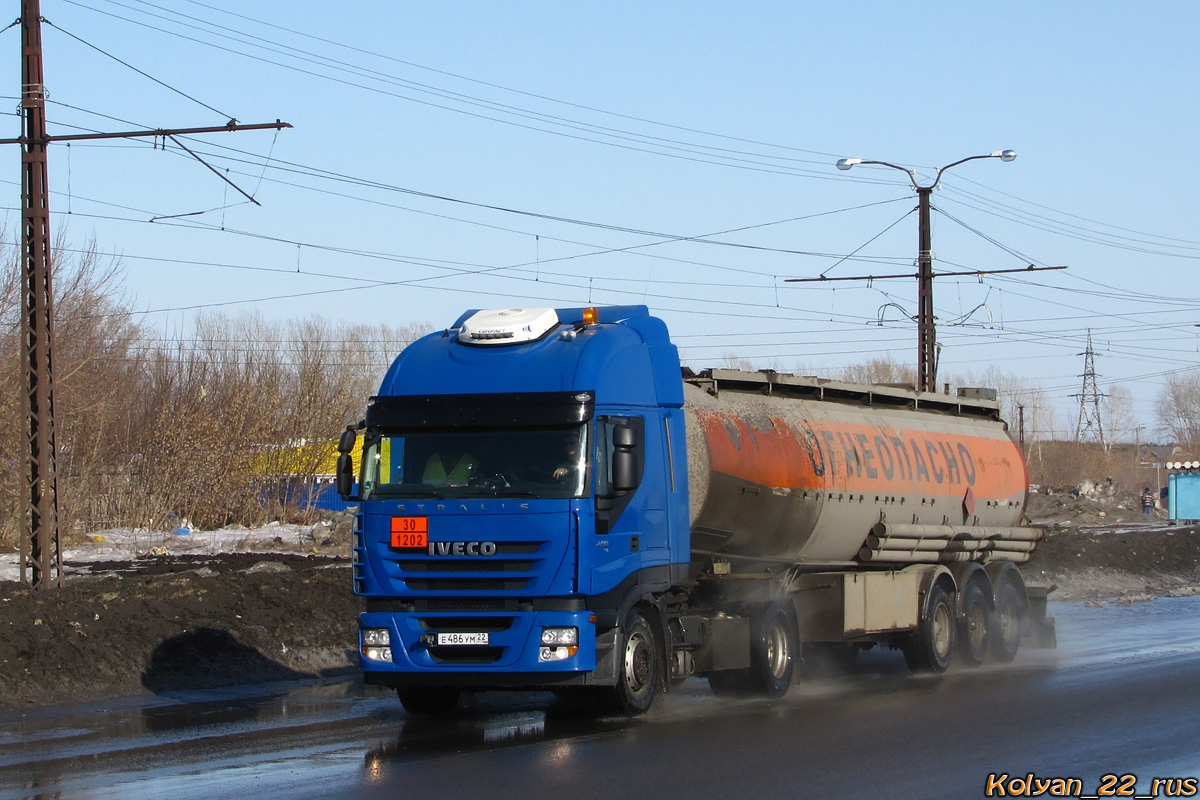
<point x="410" y="533"/>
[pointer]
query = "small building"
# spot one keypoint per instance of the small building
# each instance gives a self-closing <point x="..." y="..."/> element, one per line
<point x="1183" y="490"/>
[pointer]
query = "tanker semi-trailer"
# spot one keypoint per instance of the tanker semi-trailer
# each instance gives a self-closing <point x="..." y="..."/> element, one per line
<point x="547" y="501"/>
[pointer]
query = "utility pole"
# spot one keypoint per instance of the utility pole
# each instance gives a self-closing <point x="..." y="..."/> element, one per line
<point x="41" y="552"/>
<point x="926" y="332"/>
<point x="926" y="327"/>
<point x="1021" y="427"/>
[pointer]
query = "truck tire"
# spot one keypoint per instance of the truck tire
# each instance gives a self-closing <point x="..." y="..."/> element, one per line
<point x="428" y="700"/>
<point x="975" y="625"/>
<point x="640" y="668"/>
<point x="1006" y="622"/>
<point x="929" y="647"/>
<point x="772" y="652"/>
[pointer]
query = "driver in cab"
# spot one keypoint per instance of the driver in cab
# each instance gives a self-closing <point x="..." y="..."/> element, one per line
<point x="453" y="465"/>
<point x="569" y="466"/>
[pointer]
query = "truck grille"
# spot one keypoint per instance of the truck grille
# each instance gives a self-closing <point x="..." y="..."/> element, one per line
<point x="468" y="574"/>
<point x="461" y="624"/>
<point x="465" y="584"/>
<point x="464" y="566"/>
<point x="464" y="604"/>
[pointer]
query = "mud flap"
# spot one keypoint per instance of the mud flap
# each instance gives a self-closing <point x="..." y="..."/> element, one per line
<point x="606" y="659"/>
<point x="1039" y="629"/>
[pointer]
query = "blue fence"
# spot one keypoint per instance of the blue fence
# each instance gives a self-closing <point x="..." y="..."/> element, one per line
<point x="321" y="494"/>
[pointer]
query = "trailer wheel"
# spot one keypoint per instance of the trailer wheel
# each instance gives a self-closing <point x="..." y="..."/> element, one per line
<point x="1006" y="622"/>
<point x="640" y="668"/>
<point x="772" y="652"/>
<point x="928" y="649"/>
<point x="428" y="700"/>
<point x="975" y="632"/>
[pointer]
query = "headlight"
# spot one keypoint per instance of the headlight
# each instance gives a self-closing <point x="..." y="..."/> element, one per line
<point x="376" y="637"/>
<point x="556" y="636"/>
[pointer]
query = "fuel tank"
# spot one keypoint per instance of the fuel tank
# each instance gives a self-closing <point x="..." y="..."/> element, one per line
<point x="807" y="471"/>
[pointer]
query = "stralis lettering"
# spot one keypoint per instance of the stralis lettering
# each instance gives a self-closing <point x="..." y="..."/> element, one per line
<point x="462" y="549"/>
<point x="425" y="508"/>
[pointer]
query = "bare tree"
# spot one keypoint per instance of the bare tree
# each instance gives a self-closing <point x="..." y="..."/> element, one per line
<point x="1178" y="408"/>
<point x="215" y="424"/>
<point x="1120" y="423"/>
<point x="731" y="360"/>
<point x="97" y="363"/>
<point x="880" y="370"/>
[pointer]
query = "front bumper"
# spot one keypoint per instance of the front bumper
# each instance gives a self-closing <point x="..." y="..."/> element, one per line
<point x="510" y="658"/>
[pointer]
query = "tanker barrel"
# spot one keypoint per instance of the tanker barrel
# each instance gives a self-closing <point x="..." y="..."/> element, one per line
<point x="800" y="470"/>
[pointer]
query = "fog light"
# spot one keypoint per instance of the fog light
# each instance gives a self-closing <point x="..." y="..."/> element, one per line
<point x="378" y="653"/>
<point x="376" y="637"/>
<point x="556" y="653"/>
<point x="560" y="636"/>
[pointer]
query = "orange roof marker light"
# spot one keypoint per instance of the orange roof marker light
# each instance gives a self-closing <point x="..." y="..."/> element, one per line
<point x="591" y="316"/>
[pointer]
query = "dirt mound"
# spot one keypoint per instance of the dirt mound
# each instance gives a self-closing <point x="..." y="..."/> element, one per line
<point x="1099" y="544"/>
<point x="175" y="623"/>
<point x="1103" y="503"/>
<point x="1121" y="563"/>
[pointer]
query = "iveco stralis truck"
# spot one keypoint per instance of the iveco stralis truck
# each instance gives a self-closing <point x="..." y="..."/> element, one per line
<point x="547" y="501"/>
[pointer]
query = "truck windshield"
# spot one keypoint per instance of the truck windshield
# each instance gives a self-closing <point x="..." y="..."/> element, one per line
<point x="538" y="462"/>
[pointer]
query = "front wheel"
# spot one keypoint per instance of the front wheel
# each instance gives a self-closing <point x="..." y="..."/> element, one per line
<point x="640" y="668"/>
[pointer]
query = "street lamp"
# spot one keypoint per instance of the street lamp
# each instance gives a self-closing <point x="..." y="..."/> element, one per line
<point x="926" y="337"/>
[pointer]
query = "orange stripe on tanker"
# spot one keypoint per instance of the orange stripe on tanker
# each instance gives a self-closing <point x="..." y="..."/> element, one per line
<point x="844" y="456"/>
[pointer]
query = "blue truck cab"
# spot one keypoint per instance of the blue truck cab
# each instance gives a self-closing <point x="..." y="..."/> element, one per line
<point x="523" y="507"/>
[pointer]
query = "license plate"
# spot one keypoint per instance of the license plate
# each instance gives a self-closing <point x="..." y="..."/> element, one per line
<point x="451" y="639"/>
<point x="410" y="533"/>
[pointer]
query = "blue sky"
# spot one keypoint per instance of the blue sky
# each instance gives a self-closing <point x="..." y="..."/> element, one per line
<point x="459" y="155"/>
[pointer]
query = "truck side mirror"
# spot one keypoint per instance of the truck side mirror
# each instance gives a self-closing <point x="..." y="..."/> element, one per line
<point x="624" y="459"/>
<point x="345" y="476"/>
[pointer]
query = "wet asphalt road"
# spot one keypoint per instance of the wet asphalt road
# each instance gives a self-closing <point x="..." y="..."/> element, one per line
<point x="1120" y="696"/>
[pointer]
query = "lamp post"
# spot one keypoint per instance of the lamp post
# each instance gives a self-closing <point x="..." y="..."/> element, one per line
<point x="926" y="336"/>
